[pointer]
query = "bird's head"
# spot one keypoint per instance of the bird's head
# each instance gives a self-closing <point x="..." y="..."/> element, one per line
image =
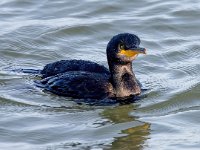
<point x="124" y="48"/>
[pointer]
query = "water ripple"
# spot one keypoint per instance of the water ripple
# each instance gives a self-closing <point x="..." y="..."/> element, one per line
<point x="34" y="33"/>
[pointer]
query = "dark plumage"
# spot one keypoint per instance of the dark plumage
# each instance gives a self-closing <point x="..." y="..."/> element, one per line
<point x="72" y="65"/>
<point x="78" y="84"/>
<point x="86" y="79"/>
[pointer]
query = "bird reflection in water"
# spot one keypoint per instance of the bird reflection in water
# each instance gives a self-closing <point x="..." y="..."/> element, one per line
<point x="131" y="138"/>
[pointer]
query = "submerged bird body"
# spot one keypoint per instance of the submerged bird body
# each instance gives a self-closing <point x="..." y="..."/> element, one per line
<point x="85" y="79"/>
<point x="79" y="84"/>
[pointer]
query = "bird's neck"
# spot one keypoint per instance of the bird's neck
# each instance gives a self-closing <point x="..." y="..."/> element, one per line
<point x="123" y="80"/>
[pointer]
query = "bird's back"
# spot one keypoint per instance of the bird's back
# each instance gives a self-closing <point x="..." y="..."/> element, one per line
<point x="72" y="65"/>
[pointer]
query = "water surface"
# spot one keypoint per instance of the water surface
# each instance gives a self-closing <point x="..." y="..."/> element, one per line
<point x="34" y="33"/>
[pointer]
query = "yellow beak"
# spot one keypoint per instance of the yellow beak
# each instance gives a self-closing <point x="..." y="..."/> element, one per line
<point x="133" y="52"/>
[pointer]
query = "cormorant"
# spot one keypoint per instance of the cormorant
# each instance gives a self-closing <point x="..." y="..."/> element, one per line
<point x="86" y="79"/>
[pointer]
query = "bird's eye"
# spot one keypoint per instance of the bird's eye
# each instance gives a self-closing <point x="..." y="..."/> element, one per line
<point x="122" y="46"/>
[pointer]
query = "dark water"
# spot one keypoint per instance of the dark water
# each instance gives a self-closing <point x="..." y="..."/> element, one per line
<point x="34" y="33"/>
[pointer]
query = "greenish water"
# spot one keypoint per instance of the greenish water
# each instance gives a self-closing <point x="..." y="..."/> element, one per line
<point x="34" y="33"/>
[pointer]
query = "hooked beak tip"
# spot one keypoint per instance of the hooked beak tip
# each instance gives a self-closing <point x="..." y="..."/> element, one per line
<point x="145" y="51"/>
<point x="142" y="50"/>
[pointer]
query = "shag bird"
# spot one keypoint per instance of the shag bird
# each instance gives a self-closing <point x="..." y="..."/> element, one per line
<point x="86" y="79"/>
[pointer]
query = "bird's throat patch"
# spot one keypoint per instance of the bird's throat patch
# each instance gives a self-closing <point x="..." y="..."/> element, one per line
<point x="128" y="53"/>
